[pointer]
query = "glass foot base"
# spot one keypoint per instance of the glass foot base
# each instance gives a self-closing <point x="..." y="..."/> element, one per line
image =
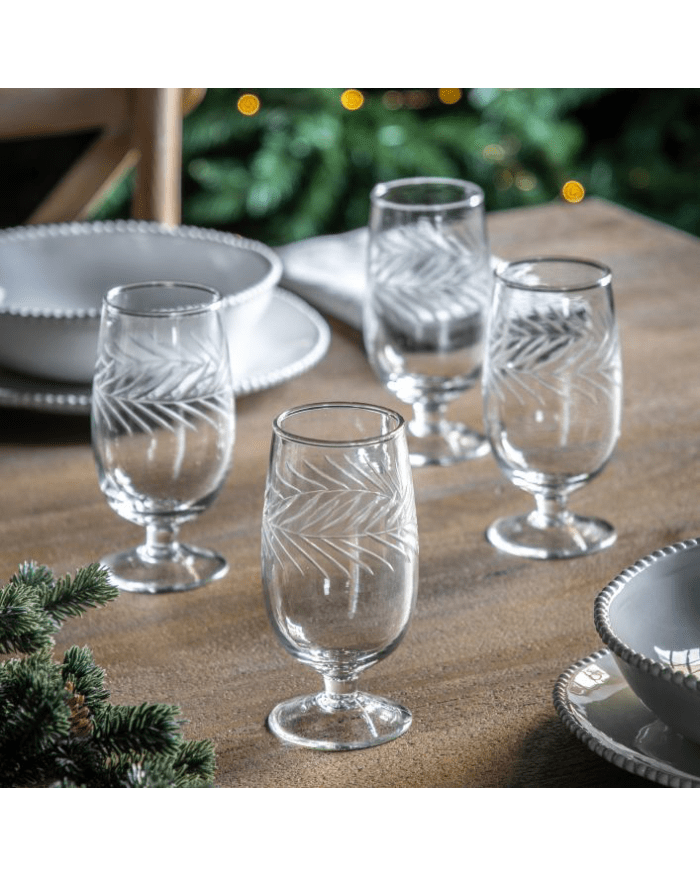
<point x="572" y="536"/>
<point x="348" y="722"/>
<point x="453" y="442"/>
<point x="189" y="567"/>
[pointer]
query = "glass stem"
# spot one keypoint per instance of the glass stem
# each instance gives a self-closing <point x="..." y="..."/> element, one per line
<point x="551" y="509"/>
<point x="428" y="417"/>
<point x="161" y="541"/>
<point x="339" y="694"/>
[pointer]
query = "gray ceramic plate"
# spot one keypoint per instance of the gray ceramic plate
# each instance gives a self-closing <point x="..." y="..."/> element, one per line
<point x="596" y="704"/>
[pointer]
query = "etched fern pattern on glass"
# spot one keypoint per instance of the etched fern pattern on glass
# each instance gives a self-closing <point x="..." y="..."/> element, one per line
<point x="429" y="288"/>
<point x="163" y="426"/>
<point x="552" y="388"/>
<point x="339" y="536"/>
<point x="164" y="432"/>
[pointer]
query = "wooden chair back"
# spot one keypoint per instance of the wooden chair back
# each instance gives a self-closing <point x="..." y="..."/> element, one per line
<point x="139" y="127"/>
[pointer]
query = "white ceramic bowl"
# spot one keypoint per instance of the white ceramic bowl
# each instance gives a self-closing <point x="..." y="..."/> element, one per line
<point x="649" y="617"/>
<point x="53" y="279"/>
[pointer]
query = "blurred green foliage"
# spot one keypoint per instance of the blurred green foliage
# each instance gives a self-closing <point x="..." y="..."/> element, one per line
<point x="304" y="165"/>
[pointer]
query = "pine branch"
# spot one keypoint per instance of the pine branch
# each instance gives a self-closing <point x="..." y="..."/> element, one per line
<point x="195" y="762"/>
<point x="32" y="575"/>
<point x="72" y="597"/>
<point x="33" y="710"/>
<point x="24" y="628"/>
<point x="33" y="605"/>
<point x="56" y="726"/>
<point x="150" y="773"/>
<point x="192" y="765"/>
<point x="73" y="763"/>
<point x="144" y="728"/>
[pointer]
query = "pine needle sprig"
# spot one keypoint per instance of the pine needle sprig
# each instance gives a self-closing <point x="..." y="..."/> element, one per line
<point x="71" y="597"/>
<point x="144" y="728"/>
<point x="192" y="765"/>
<point x="195" y="764"/>
<point x="34" y="604"/>
<point x="32" y="576"/>
<point x="24" y="627"/>
<point x="33" y="713"/>
<point x="75" y="762"/>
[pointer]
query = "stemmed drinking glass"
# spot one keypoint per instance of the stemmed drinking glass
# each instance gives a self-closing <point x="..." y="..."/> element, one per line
<point x="339" y="565"/>
<point x="163" y="426"/>
<point x="552" y="390"/>
<point x="430" y="284"/>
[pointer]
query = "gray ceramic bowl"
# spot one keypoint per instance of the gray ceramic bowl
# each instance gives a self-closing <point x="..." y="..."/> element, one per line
<point x="649" y="617"/>
<point x="53" y="279"/>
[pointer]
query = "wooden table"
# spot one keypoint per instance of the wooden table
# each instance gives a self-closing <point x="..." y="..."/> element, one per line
<point x="490" y="634"/>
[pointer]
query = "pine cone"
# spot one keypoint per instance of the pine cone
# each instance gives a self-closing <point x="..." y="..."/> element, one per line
<point x="80" y="722"/>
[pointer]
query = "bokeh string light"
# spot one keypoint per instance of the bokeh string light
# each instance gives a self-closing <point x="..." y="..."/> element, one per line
<point x="449" y="95"/>
<point x="352" y="99"/>
<point x="573" y="192"/>
<point x="248" y="104"/>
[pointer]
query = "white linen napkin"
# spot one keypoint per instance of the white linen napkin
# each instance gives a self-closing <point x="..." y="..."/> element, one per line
<point x="329" y="273"/>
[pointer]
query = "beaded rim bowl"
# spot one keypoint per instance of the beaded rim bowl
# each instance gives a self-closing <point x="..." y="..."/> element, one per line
<point x="649" y="617"/>
<point x="53" y="279"/>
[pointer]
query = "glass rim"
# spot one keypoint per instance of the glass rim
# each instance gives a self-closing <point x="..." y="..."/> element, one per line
<point x="473" y="193"/>
<point x="604" y="278"/>
<point x="282" y="432"/>
<point x="176" y="310"/>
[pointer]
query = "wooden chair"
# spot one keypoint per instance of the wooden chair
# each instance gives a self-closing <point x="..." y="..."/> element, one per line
<point x="139" y="127"/>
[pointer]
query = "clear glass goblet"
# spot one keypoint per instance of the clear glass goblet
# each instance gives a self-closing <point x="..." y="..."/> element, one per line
<point x="552" y="388"/>
<point x="339" y="565"/>
<point x="430" y="283"/>
<point x="163" y="426"/>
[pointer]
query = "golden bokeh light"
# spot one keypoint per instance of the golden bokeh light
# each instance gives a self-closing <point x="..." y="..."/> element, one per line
<point x="248" y="104"/>
<point x="352" y="99"/>
<point x="449" y="95"/>
<point x="573" y="192"/>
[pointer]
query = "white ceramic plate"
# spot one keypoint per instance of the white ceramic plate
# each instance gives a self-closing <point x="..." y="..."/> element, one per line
<point x="291" y="338"/>
<point x="596" y="704"/>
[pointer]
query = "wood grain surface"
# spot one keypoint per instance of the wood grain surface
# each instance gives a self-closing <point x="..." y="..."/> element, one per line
<point x="490" y="634"/>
